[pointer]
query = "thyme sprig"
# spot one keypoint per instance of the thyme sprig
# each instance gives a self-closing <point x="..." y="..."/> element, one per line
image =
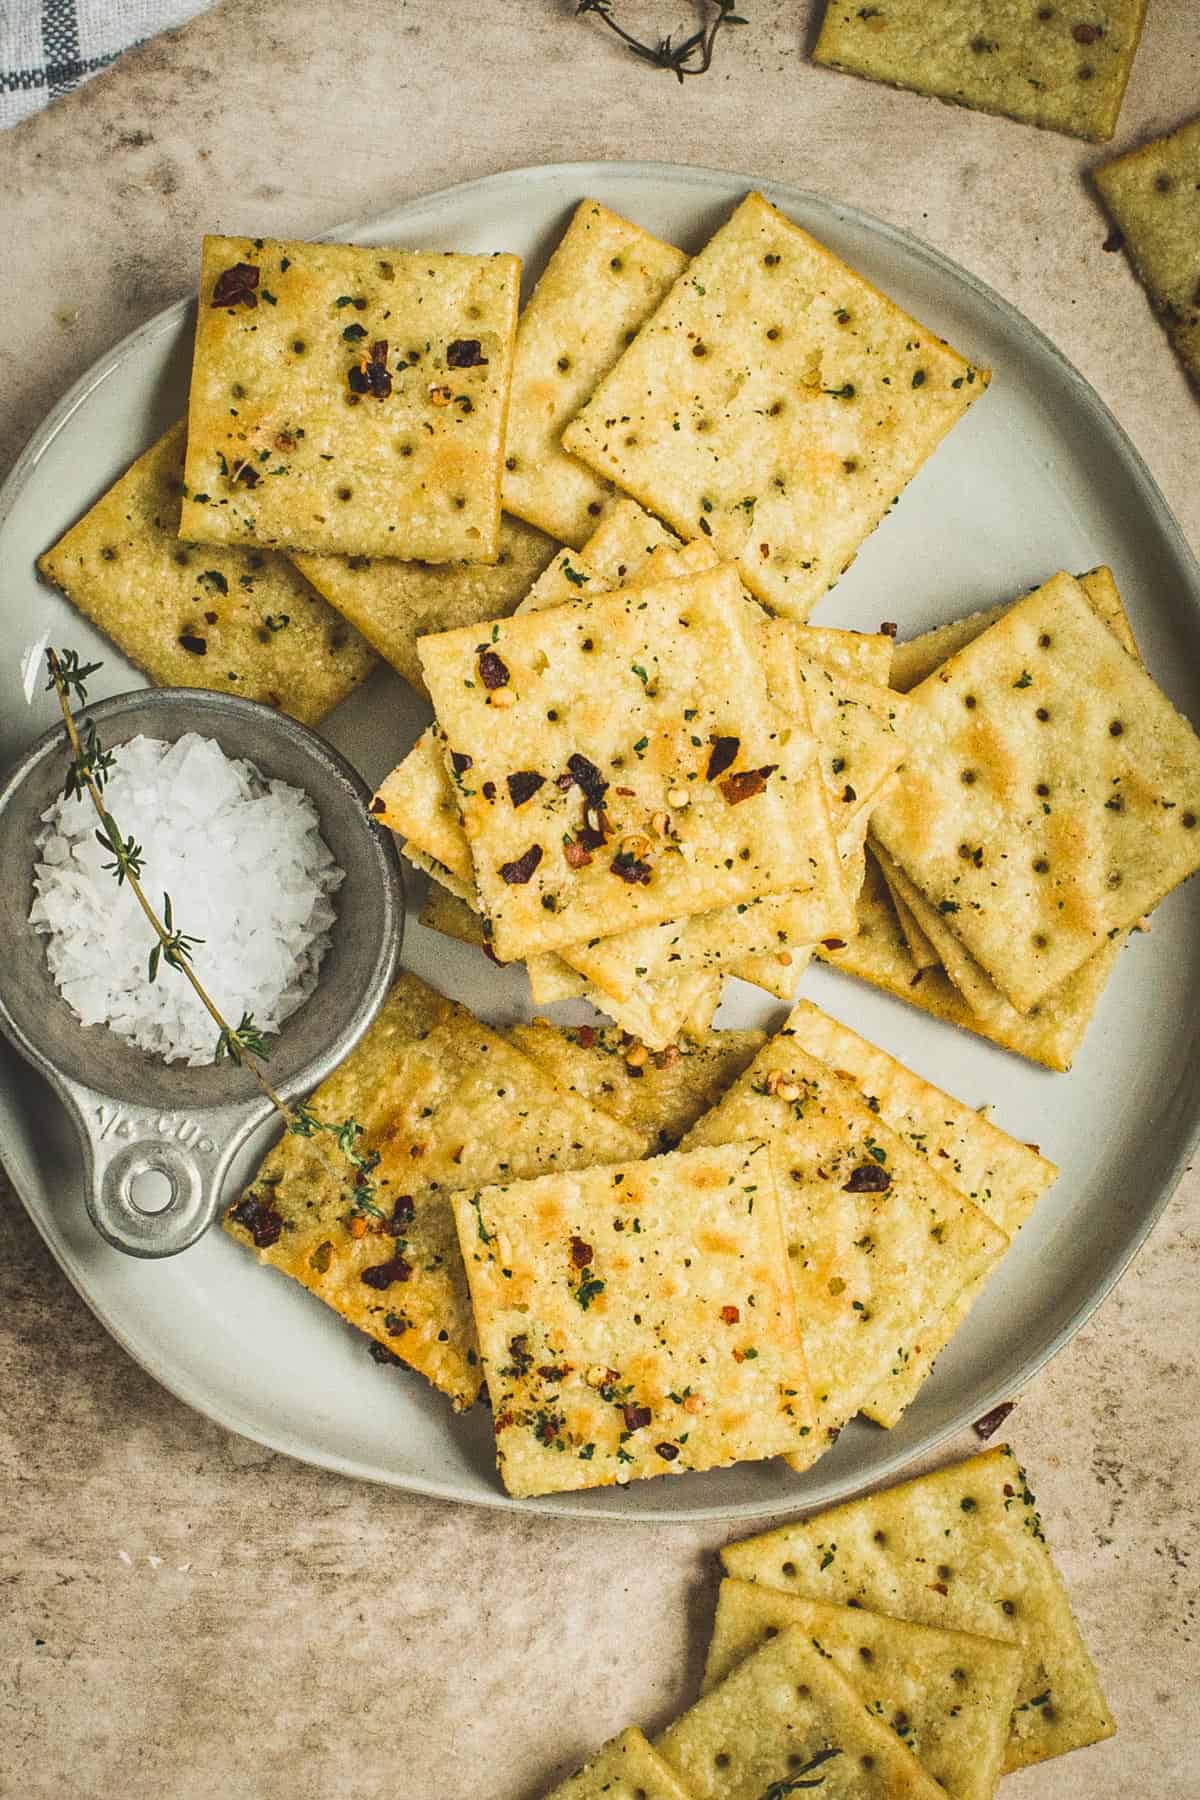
<point x="692" y="55"/>
<point x="243" y="1044"/>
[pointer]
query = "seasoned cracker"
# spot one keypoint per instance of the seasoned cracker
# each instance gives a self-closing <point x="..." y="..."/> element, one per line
<point x="919" y="947"/>
<point x="915" y="659"/>
<point x="613" y="705"/>
<point x="418" y="802"/>
<point x="235" y="621"/>
<point x="635" y="1320"/>
<point x="1070" y="1005"/>
<point x="605" y="278"/>
<point x="659" y="1095"/>
<point x="1051" y="793"/>
<point x="776" y="404"/>
<point x="1049" y="1034"/>
<point x="626" y="1769"/>
<point x="879" y="1243"/>
<point x="350" y="399"/>
<point x="948" y="1694"/>
<point x="442" y="1099"/>
<point x="1061" y="67"/>
<point x="1153" y="194"/>
<point x="393" y="603"/>
<point x="1003" y="1176"/>
<point x="784" y="1714"/>
<point x="977" y="1522"/>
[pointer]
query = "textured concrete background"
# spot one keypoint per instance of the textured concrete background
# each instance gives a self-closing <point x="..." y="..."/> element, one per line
<point x="185" y="1615"/>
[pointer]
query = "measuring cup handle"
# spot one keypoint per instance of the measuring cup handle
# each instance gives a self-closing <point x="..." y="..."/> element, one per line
<point x="123" y="1144"/>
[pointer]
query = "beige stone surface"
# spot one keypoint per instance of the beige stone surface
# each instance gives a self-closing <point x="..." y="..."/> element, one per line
<point x="184" y="1615"/>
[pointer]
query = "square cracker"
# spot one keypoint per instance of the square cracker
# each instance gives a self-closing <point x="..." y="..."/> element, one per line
<point x="948" y="1694"/>
<point x="603" y="281"/>
<point x="626" y="1769"/>
<point x="393" y="603"/>
<point x="785" y="1713"/>
<point x="1051" y="793"/>
<point x="879" y="1243"/>
<point x="656" y="1009"/>
<point x="842" y="669"/>
<point x="999" y="1173"/>
<point x="442" y="1099"/>
<point x="1056" y="66"/>
<point x="1069" y="1006"/>
<point x="418" y="801"/>
<point x="295" y="443"/>
<point x="647" y="690"/>
<point x="621" y="549"/>
<point x="660" y="1096"/>
<point x="978" y="1521"/>
<point x="237" y="621"/>
<point x="635" y="1320"/>
<point x="878" y="953"/>
<point x="915" y="659"/>
<point x="1153" y="193"/>
<point x="776" y="404"/>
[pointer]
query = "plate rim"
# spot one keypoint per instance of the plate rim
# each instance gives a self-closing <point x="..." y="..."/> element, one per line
<point x="706" y="178"/>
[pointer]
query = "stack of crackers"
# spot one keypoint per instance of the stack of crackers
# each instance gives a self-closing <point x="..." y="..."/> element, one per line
<point x="718" y="1253"/>
<point x="653" y="774"/>
<point x="918" y="1642"/>
<point x="1050" y="798"/>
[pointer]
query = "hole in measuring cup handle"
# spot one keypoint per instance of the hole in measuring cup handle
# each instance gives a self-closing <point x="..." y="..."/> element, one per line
<point x="134" y="1151"/>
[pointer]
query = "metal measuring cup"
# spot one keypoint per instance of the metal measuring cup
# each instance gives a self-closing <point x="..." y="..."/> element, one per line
<point x="135" y="1113"/>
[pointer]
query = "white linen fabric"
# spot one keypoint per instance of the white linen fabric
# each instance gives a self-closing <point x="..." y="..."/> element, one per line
<point x="48" y="47"/>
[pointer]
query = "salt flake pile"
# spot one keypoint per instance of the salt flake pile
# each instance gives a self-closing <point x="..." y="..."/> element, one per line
<point x="247" y="871"/>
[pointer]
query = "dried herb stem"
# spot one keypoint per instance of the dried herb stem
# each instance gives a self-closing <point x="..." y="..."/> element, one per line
<point x="691" y="56"/>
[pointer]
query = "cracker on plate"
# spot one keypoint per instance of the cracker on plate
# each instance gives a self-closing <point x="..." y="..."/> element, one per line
<point x="775" y="404"/>
<point x="625" y="1769"/>
<point x="915" y="659"/>
<point x="1058" y="66"/>
<point x="393" y="603"/>
<point x="1068" y="1008"/>
<point x="350" y="399"/>
<point x="656" y="1008"/>
<point x="948" y="1694"/>
<point x="418" y="801"/>
<point x="607" y="709"/>
<point x="787" y="1718"/>
<point x="1051" y="793"/>
<point x="658" y="1094"/>
<point x="635" y="1320"/>
<point x="878" y="953"/>
<point x="879" y="1242"/>
<point x="999" y="1173"/>
<point x="603" y="281"/>
<point x="442" y="1099"/>
<point x="961" y="1548"/>
<point x="919" y="946"/>
<point x="237" y="621"/>
<point x="1153" y="193"/>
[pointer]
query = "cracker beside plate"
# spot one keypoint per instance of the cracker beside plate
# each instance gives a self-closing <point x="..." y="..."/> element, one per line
<point x="1061" y="66"/>
<point x="1153" y="193"/>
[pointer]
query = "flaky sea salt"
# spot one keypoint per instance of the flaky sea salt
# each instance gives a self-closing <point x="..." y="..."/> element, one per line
<point x="247" y="871"/>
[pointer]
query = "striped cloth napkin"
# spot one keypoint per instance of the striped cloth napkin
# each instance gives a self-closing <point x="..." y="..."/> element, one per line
<point x="47" y="47"/>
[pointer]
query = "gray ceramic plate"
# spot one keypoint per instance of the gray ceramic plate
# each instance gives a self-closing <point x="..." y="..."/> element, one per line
<point x="1038" y="477"/>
